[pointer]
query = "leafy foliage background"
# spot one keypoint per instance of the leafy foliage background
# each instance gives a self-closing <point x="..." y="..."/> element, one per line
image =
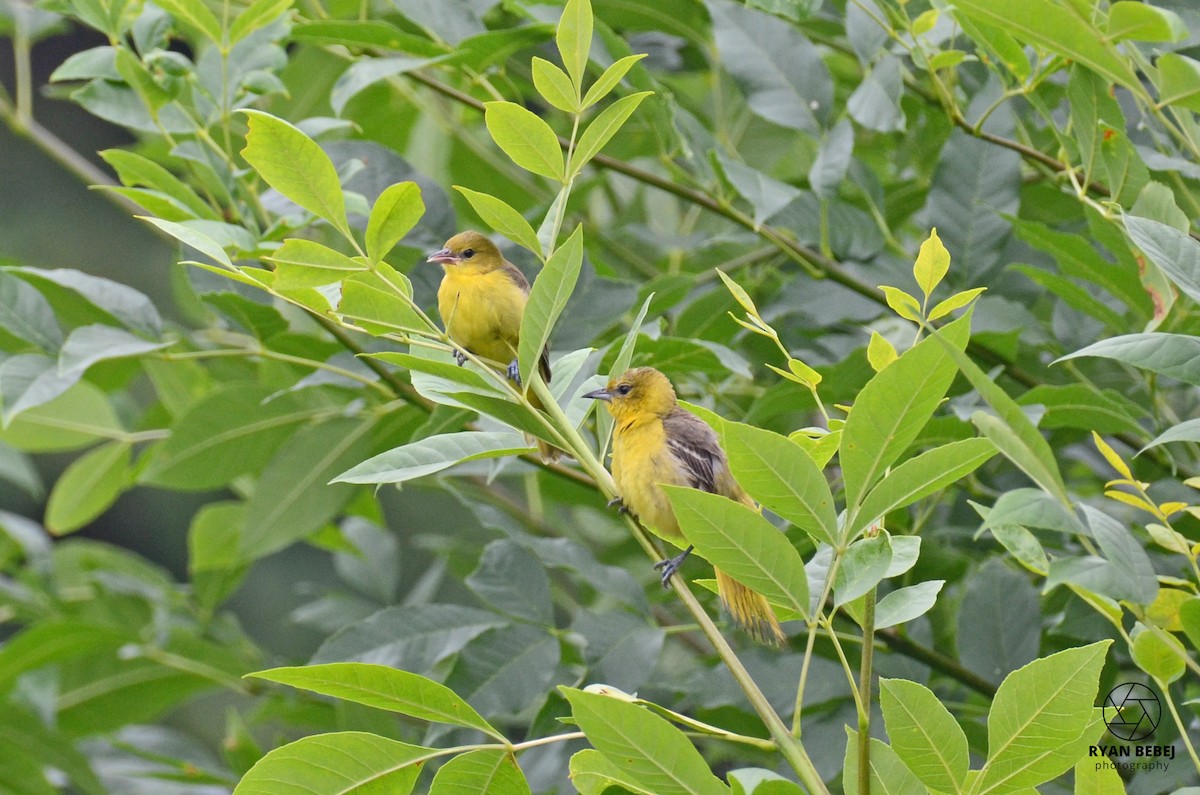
<point x="805" y="149"/>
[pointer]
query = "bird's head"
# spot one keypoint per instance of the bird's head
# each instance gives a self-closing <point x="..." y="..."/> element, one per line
<point x="642" y="390"/>
<point x="471" y="250"/>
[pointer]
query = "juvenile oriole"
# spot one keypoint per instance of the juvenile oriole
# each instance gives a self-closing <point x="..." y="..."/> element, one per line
<point x="482" y="300"/>
<point x="656" y="442"/>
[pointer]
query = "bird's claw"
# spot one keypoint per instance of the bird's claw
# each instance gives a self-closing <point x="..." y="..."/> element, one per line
<point x="671" y="565"/>
<point x="514" y="372"/>
<point x="619" y="504"/>
<point x="459" y="357"/>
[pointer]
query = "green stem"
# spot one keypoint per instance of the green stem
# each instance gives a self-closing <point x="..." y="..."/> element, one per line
<point x="865" y="689"/>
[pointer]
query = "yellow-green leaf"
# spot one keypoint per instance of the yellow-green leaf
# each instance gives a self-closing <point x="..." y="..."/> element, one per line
<point x="880" y="352"/>
<point x="933" y="261"/>
<point x="395" y="213"/>
<point x="525" y="138"/>
<point x="956" y="301"/>
<point x="608" y="81"/>
<point x="574" y="39"/>
<point x="555" y="86"/>
<point x="902" y="303"/>
<point x="503" y="218"/>
<point x="603" y="128"/>
<point x="292" y="163"/>
<point x="88" y="486"/>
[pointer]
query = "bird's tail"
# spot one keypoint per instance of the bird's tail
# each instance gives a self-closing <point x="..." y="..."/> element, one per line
<point x="750" y="610"/>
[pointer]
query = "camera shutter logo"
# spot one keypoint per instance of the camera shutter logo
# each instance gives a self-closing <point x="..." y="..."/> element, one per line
<point x="1132" y="711"/>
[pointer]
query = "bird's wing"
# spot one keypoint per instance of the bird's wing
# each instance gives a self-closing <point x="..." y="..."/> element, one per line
<point x="697" y="450"/>
<point x="518" y="278"/>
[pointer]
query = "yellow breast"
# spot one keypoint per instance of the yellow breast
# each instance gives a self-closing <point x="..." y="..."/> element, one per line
<point x="641" y="463"/>
<point x="482" y="312"/>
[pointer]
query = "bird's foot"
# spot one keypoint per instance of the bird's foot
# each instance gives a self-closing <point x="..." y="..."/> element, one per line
<point x="459" y="357"/>
<point x="671" y="565"/>
<point x="514" y="372"/>
<point x="619" y="504"/>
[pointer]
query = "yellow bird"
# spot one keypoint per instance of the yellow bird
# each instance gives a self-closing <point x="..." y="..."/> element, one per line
<point x="656" y="443"/>
<point x="482" y="300"/>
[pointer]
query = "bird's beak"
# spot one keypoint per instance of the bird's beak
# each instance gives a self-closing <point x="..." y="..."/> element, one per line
<point x="600" y="394"/>
<point x="444" y="256"/>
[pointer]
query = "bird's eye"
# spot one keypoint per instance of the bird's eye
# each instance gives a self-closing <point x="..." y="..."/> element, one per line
<point x="624" y="389"/>
<point x="468" y="253"/>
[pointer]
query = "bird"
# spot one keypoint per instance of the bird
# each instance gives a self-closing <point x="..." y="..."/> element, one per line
<point x="657" y="442"/>
<point x="481" y="300"/>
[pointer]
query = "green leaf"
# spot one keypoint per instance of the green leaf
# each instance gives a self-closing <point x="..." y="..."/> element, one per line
<point x="602" y="128"/>
<point x="433" y="454"/>
<point x="889" y="775"/>
<point x="301" y="263"/>
<point x="196" y="14"/>
<point x="502" y="218"/>
<point x="88" y="345"/>
<point x="1023" y="546"/>
<point x="127" y="306"/>
<point x="766" y="194"/>
<point x="1041" y="719"/>
<point x="609" y="79"/>
<point x="366" y="72"/>
<point x="894" y="406"/>
<point x="28" y="380"/>
<point x="744" y="545"/>
<point x="1173" y="251"/>
<point x="293" y="497"/>
<point x="925" y="735"/>
<point x="88" y="487"/>
<point x="525" y="138"/>
<point x="27" y="314"/>
<point x="511" y="580"/>
<point x="337" y="764"/>
<point x="547" y="299"/>
<point x="382" y="687"/>
<point x="194" y="239"/>
<point x="1094" y="779"/>
<point x="75" y="418"/>
<point x="864" y="564"/>
<point x="1158" y="653"/>
<point x="1052" y="26"/>
<point x="365" y="33"/>
<point x="487" y="771"/>
<point x="1178" y="80"/>
<point x="1173" y="355"/>
<point x="56" y="641"/>
<point x="781" y="72"/>
<point x="376" y="302"/>
<point x="778" y="473"/>
<point x="593" y="774"/>
<point x="396" y="212"/>
<point x="1011" y="431"/>
<point x="905" y="604"/>
<point x="1188" y="431"/>
<point x="292" y="163"/>
<point x="256" y="16"/>
<point x="229" y="432"/>
<point x="134" y="170"/>
<point x="921" y="476"/>
<point x="574" y="39"/>
<point x="1143" y="22"/>
<point x="444" y="370"/>
<point x="555" y="86"/>
<point x="1084" y="406"/>
<point x="642" y="746"/>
